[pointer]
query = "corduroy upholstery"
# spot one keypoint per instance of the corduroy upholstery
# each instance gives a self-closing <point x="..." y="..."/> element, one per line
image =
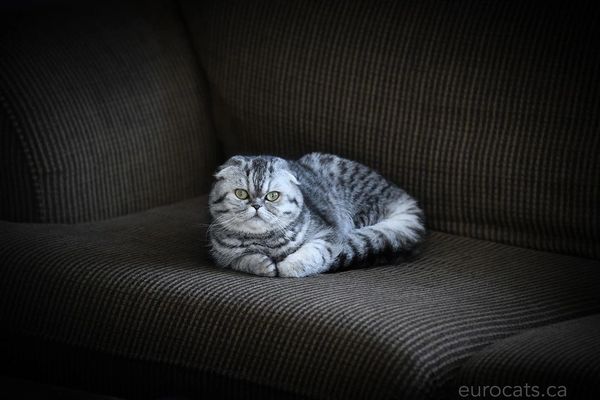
<point x="141" y="287"/>
<point x="102" y="111"/>
<point x="562" y="354"/>
<point x="113" y="116"/>
<point x="487" y="111"/>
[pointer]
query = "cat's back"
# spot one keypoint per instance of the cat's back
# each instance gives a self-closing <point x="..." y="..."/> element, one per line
<point x="358" y="190"/>
<point x="335" y="170"/>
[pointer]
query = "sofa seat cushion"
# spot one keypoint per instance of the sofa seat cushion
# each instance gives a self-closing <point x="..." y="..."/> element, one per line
<point x="141" y="287"/>
<point x="554" y="359"/>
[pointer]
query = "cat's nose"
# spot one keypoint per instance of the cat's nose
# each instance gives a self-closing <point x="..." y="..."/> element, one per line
<point x="256" y="206"/>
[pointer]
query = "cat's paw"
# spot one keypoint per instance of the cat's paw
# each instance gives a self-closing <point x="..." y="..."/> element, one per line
<point x="259" y="264"/>
<point x="294" y="268"/>
<point x="310" y="259"/>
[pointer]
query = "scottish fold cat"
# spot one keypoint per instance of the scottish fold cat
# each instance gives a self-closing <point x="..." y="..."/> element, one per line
<point x="276" y="217"/>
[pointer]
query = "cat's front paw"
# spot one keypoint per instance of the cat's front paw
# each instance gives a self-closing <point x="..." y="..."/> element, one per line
<point x="257" y="264"/>
<point x="293" y="268"/>
<point x="265" y="267"/>
<point x="310" y="259"/>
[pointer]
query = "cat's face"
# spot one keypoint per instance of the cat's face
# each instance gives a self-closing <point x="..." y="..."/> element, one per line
<point x="255" y="195"/>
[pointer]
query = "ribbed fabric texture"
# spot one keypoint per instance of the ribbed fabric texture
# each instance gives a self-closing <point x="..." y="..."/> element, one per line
<point x="563" y="354"/>
<point x="18" y="200"/>
<point x="142" y="287"/>
<point x="103" y="111"/>
<point x="486" y="111"/>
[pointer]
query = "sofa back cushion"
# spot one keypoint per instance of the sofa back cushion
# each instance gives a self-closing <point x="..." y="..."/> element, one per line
<point x="102" y="111"/>
<point x="486" y="111"/>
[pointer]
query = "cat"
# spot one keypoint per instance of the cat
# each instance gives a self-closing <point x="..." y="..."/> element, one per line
<point x="321" y="213"/>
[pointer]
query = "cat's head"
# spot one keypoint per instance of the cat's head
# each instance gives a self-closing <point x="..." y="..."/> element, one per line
<point x="255" y="195"/>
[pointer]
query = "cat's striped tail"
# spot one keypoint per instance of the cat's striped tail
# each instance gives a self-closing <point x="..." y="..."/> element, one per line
<point x="397" y="233"/>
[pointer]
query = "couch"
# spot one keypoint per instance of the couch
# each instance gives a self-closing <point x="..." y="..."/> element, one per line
<point x="114" y="116"/>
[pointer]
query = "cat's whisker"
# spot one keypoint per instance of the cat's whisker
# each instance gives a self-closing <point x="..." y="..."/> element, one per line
<point x="315" y="221"/>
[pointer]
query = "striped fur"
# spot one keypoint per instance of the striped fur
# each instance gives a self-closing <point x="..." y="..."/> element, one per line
<point x="332" y="213"/>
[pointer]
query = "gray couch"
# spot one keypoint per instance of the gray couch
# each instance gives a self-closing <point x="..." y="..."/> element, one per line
<point x="114" y="115"/>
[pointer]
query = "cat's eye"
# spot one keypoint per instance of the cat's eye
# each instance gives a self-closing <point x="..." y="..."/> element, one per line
<point x="241" y="194"/>
<point x="272" y="196"/>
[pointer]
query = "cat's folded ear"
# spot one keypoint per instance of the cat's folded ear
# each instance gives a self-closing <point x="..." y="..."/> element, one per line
<point x="229" y="166"/>
<point x="223" y="172"/>
<point x="235" y="161"/>
<point x="292" y="178"/>
<point x="284" y="167"/>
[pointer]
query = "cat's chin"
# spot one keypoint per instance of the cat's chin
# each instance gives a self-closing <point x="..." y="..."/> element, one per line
<point x="255" y="225"/>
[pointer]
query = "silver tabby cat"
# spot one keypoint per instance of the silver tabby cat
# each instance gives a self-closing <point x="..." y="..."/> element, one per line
<point x="276" y="217"/>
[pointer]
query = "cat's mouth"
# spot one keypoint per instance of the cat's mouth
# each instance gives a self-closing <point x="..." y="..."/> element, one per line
<point x="259" y="216"/>
<point x="256" y="224"/>
<point x="255" y="217"/>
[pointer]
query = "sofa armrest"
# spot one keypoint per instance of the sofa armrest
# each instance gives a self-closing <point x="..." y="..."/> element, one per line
<point x="103" y="112"/>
